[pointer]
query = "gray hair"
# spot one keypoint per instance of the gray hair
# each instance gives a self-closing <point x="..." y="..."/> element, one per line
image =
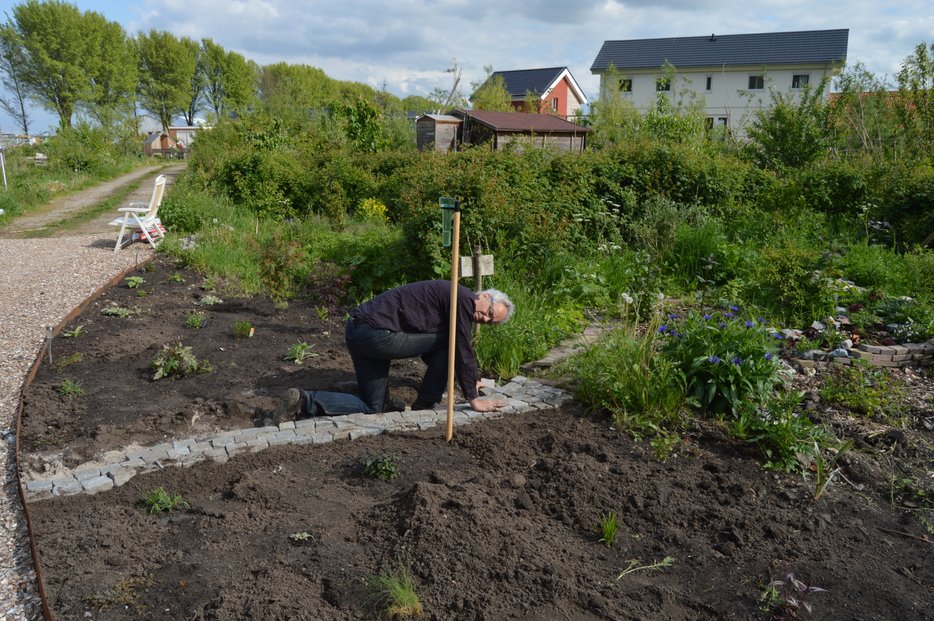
<point x="498" y="297"/>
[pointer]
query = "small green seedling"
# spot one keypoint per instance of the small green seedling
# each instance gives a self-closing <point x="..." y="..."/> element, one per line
<point x="608" y="529"/>
<point x="634" y="566"/>
<point x="69" y="360"/>
<point x="176" y="277"/>
<point x="785" y="598"/>
<point x="134" y="282"/>
<point x="243" y="329"/>
<point x="209" y="300"/>
<point x="160" y="500"/>
<point x="299" y="351"/>
<point x="74" y="332"/>
<point x="177" y="361"/>
<point x="394" y="593"/>
<point x="381" y="467"/>
<point x="70" y="388"/>
<point x="300" y="538"/>
<point x="117" y="311"/>
<point x="195" y="320"/>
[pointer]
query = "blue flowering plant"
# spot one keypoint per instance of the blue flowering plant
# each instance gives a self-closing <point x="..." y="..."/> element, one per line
<point x="727" y="357"/>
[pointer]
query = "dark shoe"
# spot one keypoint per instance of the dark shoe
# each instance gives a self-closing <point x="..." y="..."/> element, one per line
<point x="394" y="405"/>
<point x="291" y="406"/>
<point x="348" y="386"/>
<point x="422" y="405"/>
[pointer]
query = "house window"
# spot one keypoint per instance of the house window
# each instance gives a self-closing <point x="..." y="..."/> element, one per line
<point x="625" y="85"/>
<point x="722" y="121"/>
<point x="709" y="83"/>
<point x="554" y="104"/>
<point x="800" y="80"/>
<point x="662" y="84"/>
<point x="756" y="82"/>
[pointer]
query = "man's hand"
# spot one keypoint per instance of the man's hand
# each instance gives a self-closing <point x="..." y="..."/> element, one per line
<point x="486" y="405"/>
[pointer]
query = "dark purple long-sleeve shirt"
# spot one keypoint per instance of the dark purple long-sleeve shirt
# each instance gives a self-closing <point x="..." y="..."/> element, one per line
<point x="425" y="306"/>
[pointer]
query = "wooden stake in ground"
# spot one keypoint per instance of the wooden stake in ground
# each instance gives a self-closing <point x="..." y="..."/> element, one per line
<point x="452" y="330"/>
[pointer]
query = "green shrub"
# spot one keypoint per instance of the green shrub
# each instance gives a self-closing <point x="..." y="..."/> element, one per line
<point x="726" y="360"/>
<point x="624" y="375"/>
<point x="788" y="279"/>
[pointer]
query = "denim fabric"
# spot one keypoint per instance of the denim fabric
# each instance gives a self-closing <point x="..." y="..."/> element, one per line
<point x="372" y="351"/>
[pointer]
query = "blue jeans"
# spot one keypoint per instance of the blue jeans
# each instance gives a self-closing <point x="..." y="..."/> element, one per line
<point x="372" y="351"/>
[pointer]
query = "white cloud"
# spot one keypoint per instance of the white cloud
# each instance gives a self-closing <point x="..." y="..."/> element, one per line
<point x="410" y="43"/>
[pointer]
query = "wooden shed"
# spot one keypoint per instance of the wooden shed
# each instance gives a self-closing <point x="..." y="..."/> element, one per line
<point x="520" y="130"/>
<point x="439" y="132"/>
<point x="158" y="143"/>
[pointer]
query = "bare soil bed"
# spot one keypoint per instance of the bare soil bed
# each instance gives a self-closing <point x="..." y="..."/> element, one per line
<point x="498" y="524"/>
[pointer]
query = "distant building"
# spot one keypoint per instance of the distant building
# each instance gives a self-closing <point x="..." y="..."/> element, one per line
<point x="732" y="74"/>
<point x="554" y="90"/>
<point x="158" y="143"/>
<point x="439" y="132"/>
<point x="517" y="130"/>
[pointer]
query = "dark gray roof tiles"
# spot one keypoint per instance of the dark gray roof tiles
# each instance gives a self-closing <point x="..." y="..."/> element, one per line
<point x="765" y="49"/>
<point x="520" y="82"/>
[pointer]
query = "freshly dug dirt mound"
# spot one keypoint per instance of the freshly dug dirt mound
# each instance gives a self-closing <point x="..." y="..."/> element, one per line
<point x="498" y="524"/>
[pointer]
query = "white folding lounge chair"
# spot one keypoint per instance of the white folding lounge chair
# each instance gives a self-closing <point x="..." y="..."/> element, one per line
<point x="141" y="220"/>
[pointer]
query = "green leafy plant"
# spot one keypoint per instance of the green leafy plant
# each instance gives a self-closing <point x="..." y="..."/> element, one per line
<point x="75" y="332"/>
<point x="134" y="282"/>
<point x="176" y="278"/>
<point x="209" y="300"/>
<point x="195" y="320"/>
<point x="141" y="293"/>
<point x="70" y="388"/>
<point x="160" y="500"/>
<point x="393" y="592"/>
<point x="177" y="360"/>
<point x="778" y="429"/>
<point x="299" y="351"/>
<point x="727" y="361"/>
<point x="243" y="329"/>
<point x="826" y="469"/>
<point x="608" y="529"/>
<point x="634" y="566"/>
<point x="382" y="467"/>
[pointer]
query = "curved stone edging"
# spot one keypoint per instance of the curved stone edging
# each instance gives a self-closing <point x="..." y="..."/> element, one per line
<point x="521" y="394"/>
<point x="892" y="356"/>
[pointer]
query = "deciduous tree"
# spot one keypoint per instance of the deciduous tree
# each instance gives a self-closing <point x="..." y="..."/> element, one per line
<point x="492" y="94"/>
<point x="12" y="62"/>
<point x="167" y="69"/>
<point x="59" y="49"/>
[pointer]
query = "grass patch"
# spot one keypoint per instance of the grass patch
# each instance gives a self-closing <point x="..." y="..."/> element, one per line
<point x="393" y="593"/>
<point x="160" y="500"/>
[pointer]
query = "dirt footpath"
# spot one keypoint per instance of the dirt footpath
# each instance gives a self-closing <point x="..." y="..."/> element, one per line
<point x="72" y="204"/>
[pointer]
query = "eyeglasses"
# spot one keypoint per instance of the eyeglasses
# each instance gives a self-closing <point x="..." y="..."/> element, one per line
<point x="490" y="313"/>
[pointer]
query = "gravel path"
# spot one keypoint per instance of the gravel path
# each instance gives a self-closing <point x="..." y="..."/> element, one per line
<point x="41" y="282"/>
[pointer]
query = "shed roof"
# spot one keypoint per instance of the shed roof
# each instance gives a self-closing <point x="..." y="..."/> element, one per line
<point x="440" y="118"/>
<point x="523" y="122"/>
<point x="538" y="81"/>
<point x="764" y="49"/>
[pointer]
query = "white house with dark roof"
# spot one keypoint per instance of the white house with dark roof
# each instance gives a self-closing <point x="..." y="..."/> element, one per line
<point x="733" y="74"/>
<point x="554" y="88"/>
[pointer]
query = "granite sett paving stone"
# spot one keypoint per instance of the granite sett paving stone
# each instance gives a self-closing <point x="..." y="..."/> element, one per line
<point x="521" y="394"/>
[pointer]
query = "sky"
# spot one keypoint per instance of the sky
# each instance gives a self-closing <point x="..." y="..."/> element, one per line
<point x="408" y="45"/>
